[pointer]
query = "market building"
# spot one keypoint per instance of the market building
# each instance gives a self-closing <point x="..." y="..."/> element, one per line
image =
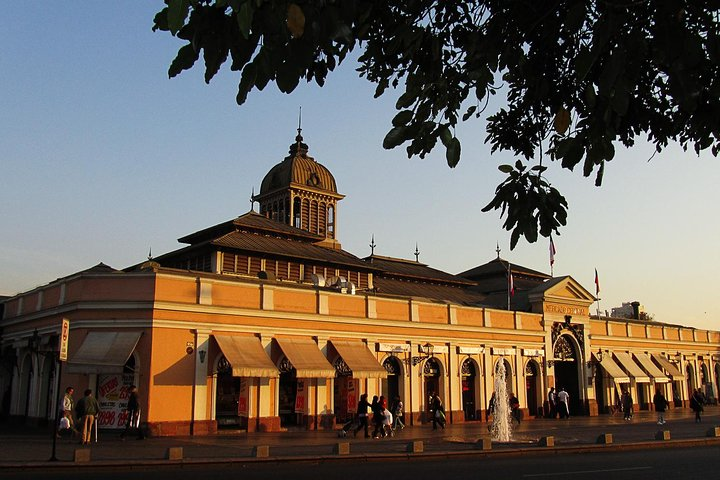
<point x="264" y="323"/>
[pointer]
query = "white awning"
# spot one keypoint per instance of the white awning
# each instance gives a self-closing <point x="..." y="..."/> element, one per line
<point x="632" y="368"/>
<point x="654" y="372"/>
<point x="306" y="357"/>
<point x="359" y="358"/>
<point x="103" y="352"/>
<point x="246" y="356"/>
<point x="612" y="369"/>
<point x="668" y="367"/>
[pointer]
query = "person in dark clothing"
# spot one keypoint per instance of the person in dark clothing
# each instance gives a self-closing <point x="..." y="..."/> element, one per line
<point x="696" y="403"/>
<point x="362" y="412"/>
<point x="437" y="411"/>
<point x="133" y="414"/>
<point x="377" y="409"/>
<point x="627" y="405"/>
<point x="87" y="409"/>
<point x="660" y="406"/>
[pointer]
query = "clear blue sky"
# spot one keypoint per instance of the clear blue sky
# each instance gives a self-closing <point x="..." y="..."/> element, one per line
<point x="103" y="157"/>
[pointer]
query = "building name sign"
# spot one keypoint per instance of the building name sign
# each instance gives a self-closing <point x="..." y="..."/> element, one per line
<point x="470" y="350"/>
<point x="533" y="352"/>
<point x="566" y="309"/>
<point x="393" y="347"/>
<point x="503" y="351"/>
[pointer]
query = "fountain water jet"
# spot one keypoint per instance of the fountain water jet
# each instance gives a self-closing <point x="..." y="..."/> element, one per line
<point x="501" y="429"/>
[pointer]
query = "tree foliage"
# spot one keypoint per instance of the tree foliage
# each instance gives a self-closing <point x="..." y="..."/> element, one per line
<point x="579" y="77"/>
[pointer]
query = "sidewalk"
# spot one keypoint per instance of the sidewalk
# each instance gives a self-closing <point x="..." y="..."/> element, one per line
<point x="32" y="447"/>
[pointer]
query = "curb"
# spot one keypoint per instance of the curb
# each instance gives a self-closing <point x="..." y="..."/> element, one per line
<point x="375" y="457"/>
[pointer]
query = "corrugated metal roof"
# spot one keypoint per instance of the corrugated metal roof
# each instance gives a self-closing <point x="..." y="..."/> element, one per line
<point x="398" y="267"/>
<point x="253" y="242"/>
<point x="443" y="293"/>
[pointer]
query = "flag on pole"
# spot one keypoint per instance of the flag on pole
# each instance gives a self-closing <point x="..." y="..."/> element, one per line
<point x="597" y="283"/>
<point x="512" y="285"/>
<point x="552" y="252"/>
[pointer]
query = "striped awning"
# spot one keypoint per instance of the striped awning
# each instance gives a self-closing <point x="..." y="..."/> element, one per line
<point x="103" y="352"/>
<point x="632" y="368"/>
<point x="359" y="359"/>
<point x="247" y="356"/>
<point x="654" y="372"/>
<point x="305" y="357"/>
<point x="612" y="369"/>
<point x="669" y="368"/>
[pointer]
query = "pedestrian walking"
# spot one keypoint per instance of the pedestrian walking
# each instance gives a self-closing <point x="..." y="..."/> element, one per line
<point x="362" y="411"/>
<point x="515" y="411"/>
<point x="563" y="403"/>
<point x="67" y="405"/>
<point x="437" y="411"/>
<point x="491" y="407"/>
<point x="398" y="412"/>
<point x="87" y="409"/>
<point x="696" y="403"/>
<point x="660" y="405"/>
<point x="552" y="408"/>
<point x="133" y="414"/>
<point x="377" y="416"/>
<point x="627" y="405"/>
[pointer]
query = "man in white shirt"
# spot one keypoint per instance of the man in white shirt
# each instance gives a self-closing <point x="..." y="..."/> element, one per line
<point x="563" y="399"/>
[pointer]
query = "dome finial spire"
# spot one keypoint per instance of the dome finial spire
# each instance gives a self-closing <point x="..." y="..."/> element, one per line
<point x="299" y="147"/>
<point x="299" y="129"/>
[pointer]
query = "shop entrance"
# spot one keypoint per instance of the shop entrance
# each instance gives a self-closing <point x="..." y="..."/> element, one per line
<point x="532" y="388"/>
<point x="227" y="392"/>
<point x="391" y="384"/>
<point x="567" y="373"/>
<point x="431" y="378"/>
<point x="468" y="375"/>
<point x="287" y="403"/>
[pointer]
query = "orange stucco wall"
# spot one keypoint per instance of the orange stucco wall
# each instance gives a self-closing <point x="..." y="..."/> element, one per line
<point x="598" y="327"/>
<point x="433" y="313"/>
<point x="686" y="334"/>
<point x="531" y="322"/>
<point x="176" y="289"/>
<point x="392" y="310"/>
<point x="469" y="316"/>
<point x="655" y="332"/>
<point x="295" y="301"/>
<point x="172" y="373"/>
<point x="672" y="334"/>
<point x="501" y="319"/>
<point x="346" y="305"/>
<point x="136" y="288"/>
<point x="637" y="331"/>
<point x="235" y="295"/>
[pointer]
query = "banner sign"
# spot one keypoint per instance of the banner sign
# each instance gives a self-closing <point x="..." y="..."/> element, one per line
<point x="112" y="394"/>
<point x="64" y="338"/>
<point x="300" y="397"/>
<point x="351" y="396"/>
<point x="243" y="391"/>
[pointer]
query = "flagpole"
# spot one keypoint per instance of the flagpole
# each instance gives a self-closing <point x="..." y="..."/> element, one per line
<point x="509" y="277"/>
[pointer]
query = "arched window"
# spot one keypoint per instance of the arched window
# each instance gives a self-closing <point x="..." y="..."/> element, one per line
<point x="331" y="221"/>
<point x="297" y="210"/>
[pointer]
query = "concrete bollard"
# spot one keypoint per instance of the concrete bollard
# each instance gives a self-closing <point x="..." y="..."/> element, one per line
<point x="714" y="432"/>
<point x="342" y="448"/>
<point x="416" y="446"/>
<point x="483" y="444"/>
<point x="82" y="455"/>
<point x="548" y="441"/>
<point x="662" y="435"/>
<point x="261" y="451"/>
<point x="605" y="439"/>
<point x="174" y="453"/>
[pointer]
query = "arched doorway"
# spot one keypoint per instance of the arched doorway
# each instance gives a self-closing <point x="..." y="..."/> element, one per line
<point x="288" y="394"/>
<point x="533" y="388"/>
<point x="717" y="378"/>
<point x="47" y="388"/>
<point x="431" y="380"/>
<point x="567" y="371"/>
<point x="227" y="393"/>
<point x="508" y="375"/>
<point x="344" y="390"/>
<point x="468" y="376"/>
<point x="391" y="386"/>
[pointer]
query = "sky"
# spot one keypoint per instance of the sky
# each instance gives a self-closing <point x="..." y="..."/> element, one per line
<point x="104" y="159"/>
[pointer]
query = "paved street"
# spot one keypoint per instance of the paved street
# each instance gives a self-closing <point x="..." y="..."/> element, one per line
<point x="26" y="449"/>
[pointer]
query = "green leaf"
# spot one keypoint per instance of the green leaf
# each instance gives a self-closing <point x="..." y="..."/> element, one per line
<point x="453" y="152"/>
<point x="177" y="14"/>
<point x="244" y="18"/>
<point x="395" y="137"/>
<point x="505" y="168"/>
<point x="445" y="135"/>
<point x="185" y="59"/>
<point x="402" y="118"/>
